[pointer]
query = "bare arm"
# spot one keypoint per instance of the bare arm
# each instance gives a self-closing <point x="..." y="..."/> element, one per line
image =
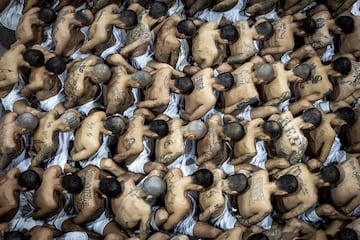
<point x="243" y="158"/>
<point x="169" y="158"/>
<point x="206" y="214"/>
<point x="253" y="219"/>
<point x="299" y="209"/>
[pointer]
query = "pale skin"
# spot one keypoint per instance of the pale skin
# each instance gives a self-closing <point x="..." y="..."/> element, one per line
<point x="208" y="47"/>
<point x="101" y="26"/>
<point x="88" y="138"/>
<point x="282" y="39"/>
<point x="167" y="36"/>
<point x="157" y="95"/>
<point x="11" y="62"/>
<point x="169" y="148"/>
<point x="212" y="148"/>
<point x="11" y="141"/>
<point x="78" y="87"/>
<point x="178" y="204"/>
<point x="66" y="32"/>
<point x="306" y="195"/>
<point x="117" y="93"/>
<point x="48" y="206"/>
<point x="243" y="48"/>
<point x="130" y="208"/>
<point x="42" y="83"/>
<point x="9" y="198"/>
<point x="255" y="204"/>
<point x="204" y="84"/>
<point x="130" y="144"/>
<point x="29" y="27"/>
<point x="344" y="196"/>
<point x="292" y="143"/>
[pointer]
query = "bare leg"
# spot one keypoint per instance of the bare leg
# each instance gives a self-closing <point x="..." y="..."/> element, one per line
<point x="263" y="112"/>
<point x="118" y="59"/>
<point x="109" y="165"/>
<point x="112" y="231"/>
<point x="205" y="230"/>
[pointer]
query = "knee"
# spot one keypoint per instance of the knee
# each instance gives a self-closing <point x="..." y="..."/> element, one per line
<point x="106" y="163"/>
<point x="113" y="236"/>
<point x="161" y="216"/>
<point x="325" y="210"/>
<point x="305" y="104"/>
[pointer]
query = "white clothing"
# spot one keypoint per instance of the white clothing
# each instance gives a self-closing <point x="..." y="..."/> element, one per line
<point x="98" y="225"/>
<point x="62" y="153"/>
<point x="10" y="16"/>
<point x="96" y="103"/>
<point x="21" y="157"/>
<point x="225" y="220"/>
<point x="73" y="236"/>
<point x="14" y="95"/>
<point x="226" y="166"/>
<point x="141" y="61"/>
<point x="183" y="54"/>
<point x="355" y="10"/>
<point x="152" y="224"/>
<point x="22" y="221"/>
<point x="137" y="166"/>
<point x="265" y="223"/>
<point x="285" y="58"/>
<point x="355" y="212"/>
<point x="329" y="52"/>
<point x="50" y="103"/>
<point x="129" y="112"/>
<point x="323" y="105"/>
<point x="120" y="36"/>
<point x="272" y="15"/>
<point x="336" y="155"/>
<point x="261" y="155"/>
<point x="77" y="53"/>
<point x="186" y="225"/>
<point x="186" y="162"/>
<point x="284" y="106"/>
<point x="66" y="213"/>
<point x="310" y="216"/>
<point x="102" y="152"/>
<point x="176" y="8"/>
<point x="245" y="114"/>
<point x="172" y="109"/>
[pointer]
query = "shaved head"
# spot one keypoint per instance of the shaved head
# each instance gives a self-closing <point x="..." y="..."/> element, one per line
<point x="198" y="128"/>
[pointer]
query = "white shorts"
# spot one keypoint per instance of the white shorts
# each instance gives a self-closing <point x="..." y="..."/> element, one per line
<point x="177" y="8"/>
<point x="77" y="53"/>
<point x="355" y="212"/>
<point x="183" y="54"/>
<point x="186" y="226"/>
<point x="186" y="162"/>
<point x="261" y="155"/>
<point x="153" y="226"/>
<point x="323" y="105"/>
<point x="120" y="36"/>
<point x="285" y="58"/>
<point x="21" y="157"/>
<point x="22" y="221"/>
<point x="265" y="223"/>
<point x="14" y="95"/>
<point x="172" y="109"/>
<point x="99" y="224"/>
<point x="102" y="152"/>
<point x="10" y="16"/>
<point x="130" y="111"/>
<point x="62" y="154"/>
<point x="310" y="216"/>
<point x="141" y="61"/>
<point x="272" y="15"/>
<point x="355" y="10"/>
<point x="210" y="113"/>
<point x="50" y="103"/>
<point x="137" y="166"/>
<point x="87" y="107"/>
<point x="329" y="52"/>
<point x="73" y="236"/>
<point x="48" y="44"/>
<point x="226" y="220"/>
<point x="336" y="155"/>
<point x="226" y="166"/>
<point x="66" y="213"/>
<point x="284" y="106"/>
<point x="245" y="114"/>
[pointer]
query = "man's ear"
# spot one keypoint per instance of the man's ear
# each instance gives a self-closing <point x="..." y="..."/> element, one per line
<point x="280" y="192"/>
<point x="218" y="87"/>
<point x="192" y="137"/>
